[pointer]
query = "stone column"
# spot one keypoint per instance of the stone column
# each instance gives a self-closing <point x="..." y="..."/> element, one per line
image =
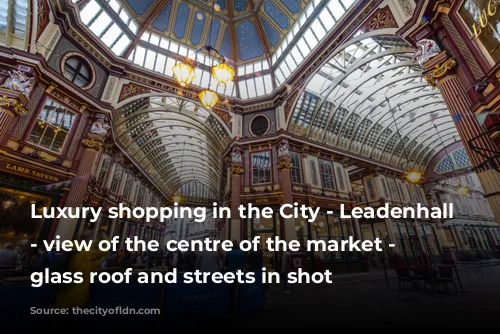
<point x="284" y="166"/>
<point x="443" y="75"/>
<point x="92" y="144"/>
<point x="12" y="104"/>
<point x="237" y="173"/>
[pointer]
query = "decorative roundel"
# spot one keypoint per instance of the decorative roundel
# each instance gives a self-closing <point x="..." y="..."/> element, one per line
<point x="259" y="125"/>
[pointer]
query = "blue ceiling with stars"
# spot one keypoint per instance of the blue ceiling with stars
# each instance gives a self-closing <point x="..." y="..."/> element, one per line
<point x="242" y="30"/>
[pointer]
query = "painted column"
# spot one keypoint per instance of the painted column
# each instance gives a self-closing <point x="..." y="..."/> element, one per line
<point x="443" y="75"/>
<point x="12" y="104"/>
<point x="284" y="166"/>
<point x="92" y="144"/>
<point x="237" y="171"/>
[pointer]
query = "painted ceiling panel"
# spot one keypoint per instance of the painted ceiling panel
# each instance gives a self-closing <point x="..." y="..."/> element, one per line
<point x="161" y="22"/>
<point x="213" y="33"/>
<point x="197" y="30"/>
<point x="249" y="45"/>
<point x="240" y="5"/>
<point x="292" y="5"/>
<point x="273" y="36"/>
<point x="276" y="14"/>
<point x="140" y="6"/>
<point x="181" y="20"/>
<point x="222" y="4"/>
<point x="225" y="47"/>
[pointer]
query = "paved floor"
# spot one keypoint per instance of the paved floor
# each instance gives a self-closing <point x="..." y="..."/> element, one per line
<point x="370" y="302"/>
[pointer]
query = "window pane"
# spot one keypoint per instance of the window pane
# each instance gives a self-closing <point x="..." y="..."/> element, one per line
<point x="100" y="24"/>
<point x="52" y="127"/>
<point x="261" y="168"/>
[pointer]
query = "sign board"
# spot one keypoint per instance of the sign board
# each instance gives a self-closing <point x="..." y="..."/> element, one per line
<point x="29" y="172"/>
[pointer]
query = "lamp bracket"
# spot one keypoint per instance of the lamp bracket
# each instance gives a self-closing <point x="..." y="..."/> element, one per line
<point x="493" y="159"/>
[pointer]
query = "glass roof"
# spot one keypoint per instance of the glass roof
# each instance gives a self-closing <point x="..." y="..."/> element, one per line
<point x="370" y="99"/>
<point x="256" y="37"/>
<point x="176" y="142"/>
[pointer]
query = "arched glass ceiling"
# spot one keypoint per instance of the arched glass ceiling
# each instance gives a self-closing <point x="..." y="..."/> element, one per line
<point x="368" y="90"/>
<point x="178" y="143"/>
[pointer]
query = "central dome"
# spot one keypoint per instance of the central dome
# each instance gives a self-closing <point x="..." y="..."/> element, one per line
<point x="242" y="30"/>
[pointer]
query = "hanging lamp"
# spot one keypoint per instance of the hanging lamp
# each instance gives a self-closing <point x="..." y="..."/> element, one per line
<point x="219" y="69"/>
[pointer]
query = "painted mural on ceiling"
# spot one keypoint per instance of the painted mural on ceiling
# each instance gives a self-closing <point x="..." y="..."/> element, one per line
<point x="242" y="30"/>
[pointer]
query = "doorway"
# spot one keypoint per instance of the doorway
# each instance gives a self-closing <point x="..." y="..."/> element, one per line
<point x="265" y="228"/>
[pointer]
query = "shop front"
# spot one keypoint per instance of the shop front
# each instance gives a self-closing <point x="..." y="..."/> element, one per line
<point x="329" y="226"/>
<point x="265" y="228"/>
<point x="21" y="187"/>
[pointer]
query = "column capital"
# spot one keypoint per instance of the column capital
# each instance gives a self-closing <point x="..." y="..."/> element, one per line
<point x="284" y="162"/>
<point x="237" y="169"/>
<point x="13" y="102"/>
<point x="441" y="70"/>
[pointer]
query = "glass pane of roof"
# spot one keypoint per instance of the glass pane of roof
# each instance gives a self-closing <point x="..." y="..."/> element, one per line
<point x="372" y="104"/>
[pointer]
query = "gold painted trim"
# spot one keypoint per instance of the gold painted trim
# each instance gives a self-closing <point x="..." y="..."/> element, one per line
<point x="237" y="170"/>
<point x="439" y="71"/>
<point x="15" y="106"/>
<point x="91" y="143"/>
<point x="284" y="164"/>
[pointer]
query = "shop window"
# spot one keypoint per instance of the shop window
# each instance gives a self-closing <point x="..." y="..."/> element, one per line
<point x="261" y="167"/>
<point x="128" y="186"/>
<point x="482" y="19"/>
<point x="401" y="192"/>
<point x="296" y="170"/>
<point x="326" y="171"/>
<point x="139" y="198"/>
<point x="16" y="223"/>
<point x="103" y="171"/>
<point x="52" y="127"/>
<point x="116" y="179"/>
<point x="78" y="71"/>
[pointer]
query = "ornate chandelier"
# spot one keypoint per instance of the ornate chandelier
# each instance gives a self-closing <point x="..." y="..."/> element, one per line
<point x="184" y="72"/>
